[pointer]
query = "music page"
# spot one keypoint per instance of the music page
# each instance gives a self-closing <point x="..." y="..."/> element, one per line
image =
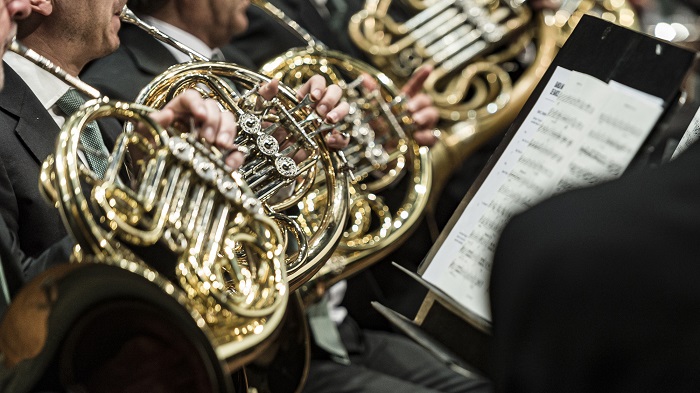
<point x="691" y="134"/>
<point x="581" y="131"/>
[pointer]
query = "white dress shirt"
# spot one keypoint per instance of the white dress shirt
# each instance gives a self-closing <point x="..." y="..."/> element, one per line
<point x="46" y="87"/>
<point x="183" y="37"/>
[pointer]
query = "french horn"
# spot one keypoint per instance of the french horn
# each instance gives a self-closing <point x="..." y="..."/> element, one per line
<point x="488" y="55"/>
<point x="169" y="217"/>
<point x="272" y="132"/>
<point x="392" y="174"/>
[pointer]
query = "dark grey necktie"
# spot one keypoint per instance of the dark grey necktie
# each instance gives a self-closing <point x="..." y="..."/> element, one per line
<point x="91" y="139"/>
<point x="337" y="10"/>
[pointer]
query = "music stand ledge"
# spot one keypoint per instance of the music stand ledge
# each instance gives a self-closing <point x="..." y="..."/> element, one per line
<point x="452" y="333"/>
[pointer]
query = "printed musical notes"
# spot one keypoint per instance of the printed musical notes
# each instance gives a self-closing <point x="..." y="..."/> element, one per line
<point x="581" y="131"/>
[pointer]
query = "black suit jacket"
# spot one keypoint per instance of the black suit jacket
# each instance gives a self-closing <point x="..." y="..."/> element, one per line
<point x="12" y="260"/>
<point x="597" y="290"/>
<point x="139" y="59"/>
<point x="27" y="136"/>
<point x="266" y="38"/>
<point x="12" y="277"/>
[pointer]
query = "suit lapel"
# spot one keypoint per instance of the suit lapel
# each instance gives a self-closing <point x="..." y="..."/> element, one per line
<point x="35" y="127"/>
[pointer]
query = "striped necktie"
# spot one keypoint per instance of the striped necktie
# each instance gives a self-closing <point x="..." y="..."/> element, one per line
<point x="91" y="139"/>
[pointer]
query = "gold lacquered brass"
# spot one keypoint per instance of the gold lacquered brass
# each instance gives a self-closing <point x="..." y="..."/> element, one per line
<point x="464" y="40"/>
<point x="384" y="156"/>
<point x="283" y="140"/>
<point x="272" y="132"/>
<point x="488" y="56"/>
<point x="169" y="210"/>
<point x="208" y="231"/>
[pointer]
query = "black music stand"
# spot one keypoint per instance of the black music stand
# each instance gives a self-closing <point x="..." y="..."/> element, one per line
<point x="598" y="48"/>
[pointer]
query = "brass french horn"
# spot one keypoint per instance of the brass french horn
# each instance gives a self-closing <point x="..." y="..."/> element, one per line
<point x="272" y="133"/>
<point x="169" y="216"/>
<point x="473" y="45"/>
<point x="382" y="152"/>
<point x="488" y="56"/>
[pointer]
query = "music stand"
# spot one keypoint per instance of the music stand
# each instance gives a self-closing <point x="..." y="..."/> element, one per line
<point x="612" y="53"/>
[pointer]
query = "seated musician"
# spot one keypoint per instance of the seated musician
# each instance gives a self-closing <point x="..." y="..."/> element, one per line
<point x="33" y="107"/>
<point x="11" y="277"/>
<point x="72" y="35"/>
<point x="327" y="21"/>
<point x="141" y="57"/>
<point x="12" y="258"/>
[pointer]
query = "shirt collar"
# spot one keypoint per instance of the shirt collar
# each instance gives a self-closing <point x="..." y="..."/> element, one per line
<point x="183" y="37"/>
<point x="46" y="87"/>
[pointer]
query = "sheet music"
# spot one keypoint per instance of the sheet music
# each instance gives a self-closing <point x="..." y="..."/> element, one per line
<point x="581" y="131"/>
<point x="691" y="134"/>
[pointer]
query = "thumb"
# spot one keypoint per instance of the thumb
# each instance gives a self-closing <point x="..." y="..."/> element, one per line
<point x="163" y="117"/>
<point x="415" y="84"/>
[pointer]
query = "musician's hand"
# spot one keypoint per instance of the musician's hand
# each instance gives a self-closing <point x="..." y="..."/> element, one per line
<point x="215" y="126"/>
<point x="328" y="106"/>
<point x="269" y="90"/>
<point x="424" y="114"/>
<point x="419" y="105"/>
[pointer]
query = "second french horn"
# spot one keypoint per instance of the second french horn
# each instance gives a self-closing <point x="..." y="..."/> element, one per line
<point x="488" y="56"/>
<point x="392" y="174"/>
